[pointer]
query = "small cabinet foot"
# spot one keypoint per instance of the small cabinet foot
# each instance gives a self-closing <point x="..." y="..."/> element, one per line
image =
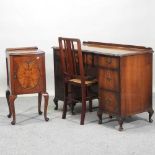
<point x="120" y="122"/>
<point x="150" y="115"/>
<point x="110" y="116"/>
<point x="99" y="114"/>
<point x="56" y="103"/>
<point x="13" y="122"/>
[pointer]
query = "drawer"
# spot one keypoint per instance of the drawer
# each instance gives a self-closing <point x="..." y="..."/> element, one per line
<point x="90" y="59"/>
<point x="109" y="101"/>
<point x="108" y="62"/>
<point x="109" y="79"/>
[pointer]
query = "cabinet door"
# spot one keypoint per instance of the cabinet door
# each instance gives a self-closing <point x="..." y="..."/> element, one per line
<point x="28" y="74"/>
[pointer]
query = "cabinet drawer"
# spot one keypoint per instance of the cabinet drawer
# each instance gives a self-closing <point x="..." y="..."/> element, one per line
<point x="109" y="101"/>
<point x="109" y="79"/>
<point x="108" y="62"/>
<point x="90" y="59"/>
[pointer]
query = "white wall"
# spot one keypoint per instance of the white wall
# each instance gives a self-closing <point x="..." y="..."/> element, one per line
<point x="40" y="22"/>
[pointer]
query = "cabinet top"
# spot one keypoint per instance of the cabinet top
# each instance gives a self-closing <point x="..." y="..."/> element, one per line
<point x="23" y="51"/>
<point x="111" y="49"/>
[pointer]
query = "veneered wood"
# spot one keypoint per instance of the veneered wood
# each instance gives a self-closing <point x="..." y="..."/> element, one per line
<point x="25" y="75"/>
<point x="136" y="84"/>
<point x="109" y="79"/>
<point x="124" y="77"/>
<point x="108" y="62"/>
<point x="109" y="102"/>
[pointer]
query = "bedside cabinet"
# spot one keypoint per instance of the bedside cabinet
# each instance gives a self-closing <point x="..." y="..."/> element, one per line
<point x="25" y="75"/>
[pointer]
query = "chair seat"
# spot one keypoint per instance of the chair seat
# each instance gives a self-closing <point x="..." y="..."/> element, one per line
<point x="87" y="82"/>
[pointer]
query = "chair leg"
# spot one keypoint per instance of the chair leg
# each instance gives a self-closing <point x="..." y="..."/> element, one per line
<point x="83" y="106"/>
<point x="65" y="101"/>
<point x="39" y="103"/>
<point x="12" y="107"/>
<point x="72" y="108"/>
<point x="46" y="97"/>
<point x="90" y="106"/>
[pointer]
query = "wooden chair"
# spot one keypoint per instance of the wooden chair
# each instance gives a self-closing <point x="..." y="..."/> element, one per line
<point x="74" y="75"/>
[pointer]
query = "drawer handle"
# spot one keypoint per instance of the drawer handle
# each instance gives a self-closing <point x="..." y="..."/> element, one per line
<point x="109" y="79"/>
<point x="15" y="76"/>
<point x="107" y="101"/>
<point x="108" y="60"/>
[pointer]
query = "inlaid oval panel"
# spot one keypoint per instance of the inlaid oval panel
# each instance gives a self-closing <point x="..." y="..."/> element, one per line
<point x="28" y="75"/>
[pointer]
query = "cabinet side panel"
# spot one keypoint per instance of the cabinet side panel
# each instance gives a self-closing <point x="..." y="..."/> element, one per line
<point x="136" y="84"/>
<point x="58" y="76"/>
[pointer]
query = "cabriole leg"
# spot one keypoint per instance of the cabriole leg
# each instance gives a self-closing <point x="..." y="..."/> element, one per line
<point x="56" y="103"/>
<point x="12" y="107"/>
<point x="46" y="97"/>
<point x="7" y="97"/>
<point x="39" y="103"/>
<point x="151" y="111"/>
<point x="99" y="114"/>
<point x="120" y="122"/>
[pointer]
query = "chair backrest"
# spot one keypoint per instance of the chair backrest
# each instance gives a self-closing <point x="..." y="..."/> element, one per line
<point x="71" y="58"/>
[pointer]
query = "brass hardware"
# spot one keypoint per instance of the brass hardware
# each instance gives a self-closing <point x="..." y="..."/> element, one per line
<point x="15" y="76"/>
<point x="108" y="60"/>
<point x="107" y="101"/>
<point x="109" y="79"/>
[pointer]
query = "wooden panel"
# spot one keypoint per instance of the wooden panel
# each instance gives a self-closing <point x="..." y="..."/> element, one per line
<point x="136" y="84"/>
<point x="58" y="77"/>
<point x="109" y="79"/>
<point x="27" y="74"/>
<point x="109" y="101"/>
<point x="108" y="62"/>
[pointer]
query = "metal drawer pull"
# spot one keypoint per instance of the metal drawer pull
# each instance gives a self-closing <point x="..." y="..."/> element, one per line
<point x="108" y="60"/>
<point x="15" y="76"/>
<point x="107" y="101"/>
<point x="109" y="79"/>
